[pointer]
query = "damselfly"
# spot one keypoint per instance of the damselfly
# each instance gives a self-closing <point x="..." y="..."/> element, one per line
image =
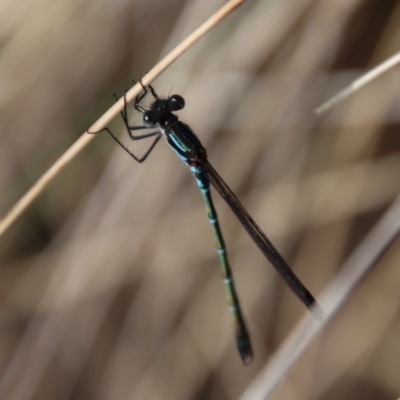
<point x="188" y="148"/>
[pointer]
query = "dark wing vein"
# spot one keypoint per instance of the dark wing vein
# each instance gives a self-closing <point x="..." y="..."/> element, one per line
<point x="261" y="240"/>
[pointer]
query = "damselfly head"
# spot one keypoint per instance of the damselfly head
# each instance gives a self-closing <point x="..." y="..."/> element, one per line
<point x="161" y="110"/>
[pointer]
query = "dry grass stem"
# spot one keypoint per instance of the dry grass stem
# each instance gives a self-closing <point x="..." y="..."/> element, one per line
<point x="359" y="83"/>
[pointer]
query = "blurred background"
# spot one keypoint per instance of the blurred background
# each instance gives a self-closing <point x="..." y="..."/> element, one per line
<point x="110" y="285"/>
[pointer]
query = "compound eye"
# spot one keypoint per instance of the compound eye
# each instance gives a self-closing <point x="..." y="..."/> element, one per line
<point x="148" y="119"/>
<point x="176" y="102"/>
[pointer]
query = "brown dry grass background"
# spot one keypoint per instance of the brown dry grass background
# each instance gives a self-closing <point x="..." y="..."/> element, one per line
<point x="110" y="285"/>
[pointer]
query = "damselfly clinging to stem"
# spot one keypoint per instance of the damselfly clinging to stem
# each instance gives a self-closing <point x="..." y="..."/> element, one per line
<point x="189" y="149"/>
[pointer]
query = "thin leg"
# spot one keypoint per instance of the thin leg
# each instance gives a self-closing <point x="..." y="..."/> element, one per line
<point x="153" y="92"/>
<point x="131" y="128"/>
<point x="138" y="159"/>
<point x="138" y="99"/>
<point x="242" y="337"/>
<point x="124" y="115"/>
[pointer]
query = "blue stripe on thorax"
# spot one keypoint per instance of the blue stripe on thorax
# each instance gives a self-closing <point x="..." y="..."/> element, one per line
<point x="178" y="144"/>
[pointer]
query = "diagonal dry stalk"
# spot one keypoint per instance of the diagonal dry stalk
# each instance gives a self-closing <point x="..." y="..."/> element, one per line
<point x="19" y="208"/>
<point x="359" y="83"/>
